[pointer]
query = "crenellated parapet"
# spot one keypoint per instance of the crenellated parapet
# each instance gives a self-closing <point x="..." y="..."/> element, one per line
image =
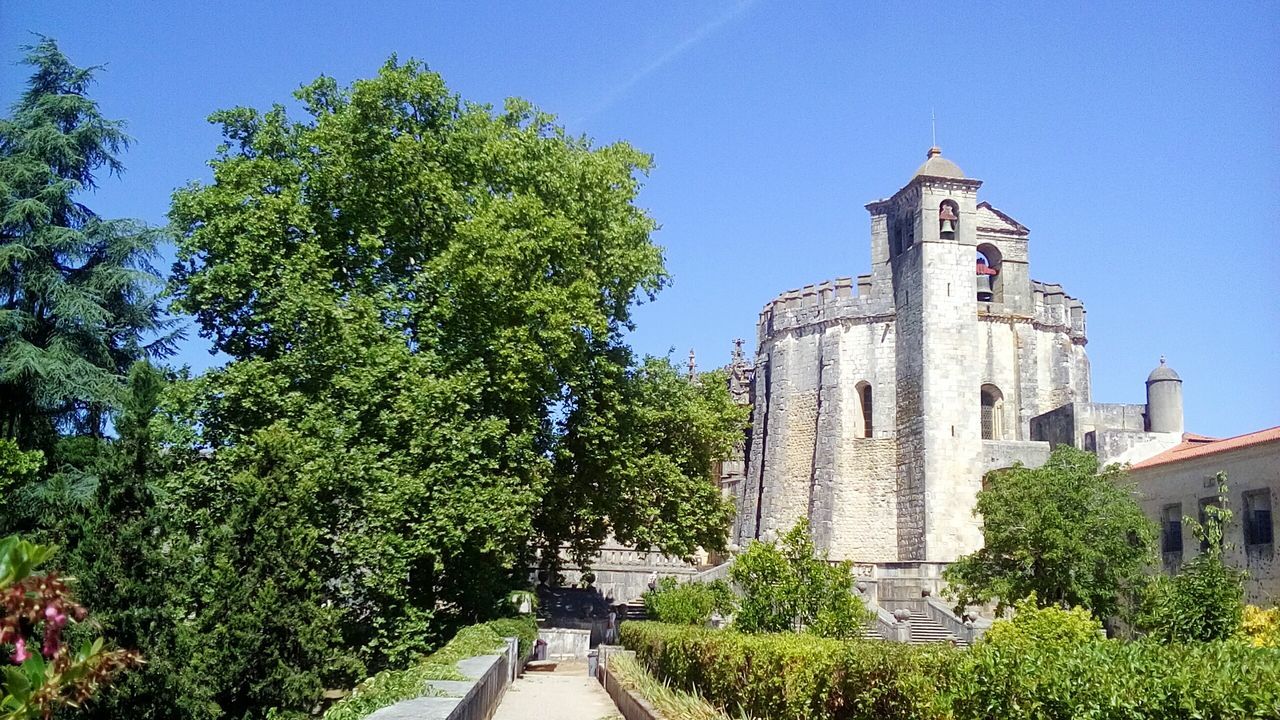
<point x="1056" y="310"/>
<point x="834" y="301"/>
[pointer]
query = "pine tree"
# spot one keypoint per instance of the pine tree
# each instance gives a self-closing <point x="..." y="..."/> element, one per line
<point x="77" y="291"/>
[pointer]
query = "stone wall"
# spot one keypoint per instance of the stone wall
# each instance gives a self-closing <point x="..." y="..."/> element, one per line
<point x="914" y="332"/>
<point x="476" y="698"/>
<point x="997" y="454"/>
<point x="866" y="501"/>
<point x="1184" y="484"/>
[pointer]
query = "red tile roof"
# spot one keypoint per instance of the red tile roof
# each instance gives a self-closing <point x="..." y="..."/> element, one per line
<point x="1195" y="446"/>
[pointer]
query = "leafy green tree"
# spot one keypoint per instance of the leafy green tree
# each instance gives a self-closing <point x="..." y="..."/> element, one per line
<point x="261" y="632"/>
<point x="118" y="548"/>
<point x="1068" y="532"/>
<point x="635" y="462"/>
<point x="690" y="603"/>
<point x="788" y="585"/>
<point x="1205" y="600"/>
<point x="77" y="300"/>
<point x="429" y="300"/>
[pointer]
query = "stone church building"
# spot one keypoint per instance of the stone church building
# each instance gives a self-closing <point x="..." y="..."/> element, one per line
<point x="879" y="402"/>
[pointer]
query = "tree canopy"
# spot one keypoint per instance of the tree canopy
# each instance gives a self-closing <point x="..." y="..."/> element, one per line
<point x="789" y="585"/>
<point x="425" y="301"/>
<point x="1068" y="532"/>
<point x="77" y="291"/>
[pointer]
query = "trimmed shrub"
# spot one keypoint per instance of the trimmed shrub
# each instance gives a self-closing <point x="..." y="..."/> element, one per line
<point x="525" y="628"/>
<point x="789" y="675"/>
<point x="1026" y="671"/>
<point x="690" y="603"/>
<point x="1113" y="679"/>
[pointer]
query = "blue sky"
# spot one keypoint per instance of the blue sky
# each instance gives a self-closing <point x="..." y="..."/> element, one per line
<point x="1138" y="141"/>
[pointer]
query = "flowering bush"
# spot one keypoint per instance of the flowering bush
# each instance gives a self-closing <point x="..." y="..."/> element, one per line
<point x="36" y="609"/>
<point x="1044" y="626"/>
<point x="1261" y="628"/>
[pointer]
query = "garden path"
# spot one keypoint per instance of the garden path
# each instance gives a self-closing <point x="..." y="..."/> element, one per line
<point x="569" y="693"/>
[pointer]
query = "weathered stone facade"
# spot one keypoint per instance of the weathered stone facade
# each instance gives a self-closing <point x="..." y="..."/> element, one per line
<point x="1180" y="481"/>
<point x="878" y="403"/>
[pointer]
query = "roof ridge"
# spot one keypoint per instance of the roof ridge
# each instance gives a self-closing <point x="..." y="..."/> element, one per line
<point x="1197" y="446"/>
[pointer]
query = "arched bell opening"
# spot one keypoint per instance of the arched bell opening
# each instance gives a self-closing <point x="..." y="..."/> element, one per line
<point x="948" y="219"/>
<point x="990" y="282"/>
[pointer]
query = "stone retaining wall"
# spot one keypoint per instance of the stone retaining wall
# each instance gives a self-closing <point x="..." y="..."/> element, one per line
<point x="630" y="705"/>
<point x="474" y="699"/>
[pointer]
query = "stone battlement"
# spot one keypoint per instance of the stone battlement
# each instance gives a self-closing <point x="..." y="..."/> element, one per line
<point x="833" y="300"/>
<point x="1056" y="309"/>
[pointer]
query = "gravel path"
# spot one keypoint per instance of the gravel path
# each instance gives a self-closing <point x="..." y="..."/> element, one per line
<point x="566" y="694"/>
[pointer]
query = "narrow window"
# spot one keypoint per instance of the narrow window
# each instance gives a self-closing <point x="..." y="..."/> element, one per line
<point x="1171" y="537"/>
<point x="1258" y="529"/>
<point x="992" y="413"/>
<point x="864" y="397"/>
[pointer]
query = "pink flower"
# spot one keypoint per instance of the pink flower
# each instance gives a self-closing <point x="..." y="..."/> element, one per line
<point x="20" y="651"/>
<point x="55" y="618"/>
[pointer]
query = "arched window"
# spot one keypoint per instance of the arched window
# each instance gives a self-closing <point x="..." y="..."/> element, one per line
<point x="992" y="413"/>
<point x="990" y="281"/>
<point x="864" y="399"/>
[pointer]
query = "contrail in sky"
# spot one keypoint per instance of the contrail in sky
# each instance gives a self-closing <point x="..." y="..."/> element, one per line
<point x="696" y="37"/>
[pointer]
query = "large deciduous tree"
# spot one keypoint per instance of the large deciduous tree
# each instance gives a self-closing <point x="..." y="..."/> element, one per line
<point x="77" y="302"/>
<point x="1068" y="532"/>
<point x="425" y="301"/>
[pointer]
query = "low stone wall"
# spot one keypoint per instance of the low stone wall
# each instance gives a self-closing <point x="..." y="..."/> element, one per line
<point x="630" y="705"/>
<point x="566" y="643"/>
<point x="474" y="699"/>
<point x="998" y="454"/>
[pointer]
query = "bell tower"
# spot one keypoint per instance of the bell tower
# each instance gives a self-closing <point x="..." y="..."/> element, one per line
<point x="932" y="245"/>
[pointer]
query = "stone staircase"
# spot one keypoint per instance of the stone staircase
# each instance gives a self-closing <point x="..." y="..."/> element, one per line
<point x="925" y="630"/>
<point x="634" y="610"/>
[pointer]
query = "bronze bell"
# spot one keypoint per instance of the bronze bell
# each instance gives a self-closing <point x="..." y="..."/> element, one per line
<point x="986" y="288"/>
<point x="948" y="218"/>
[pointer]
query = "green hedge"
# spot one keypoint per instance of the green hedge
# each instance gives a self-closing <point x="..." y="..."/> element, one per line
<point x="1114" y="679"/>
<point x="785" y="676"/>
<point x="391" y="686"/>
<point x="789" y="675"/>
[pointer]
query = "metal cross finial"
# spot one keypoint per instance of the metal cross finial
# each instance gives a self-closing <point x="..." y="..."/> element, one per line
<point x="1161" y="358"/>
<point x="737" y="349"/>
<point x="933" y="120"/>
